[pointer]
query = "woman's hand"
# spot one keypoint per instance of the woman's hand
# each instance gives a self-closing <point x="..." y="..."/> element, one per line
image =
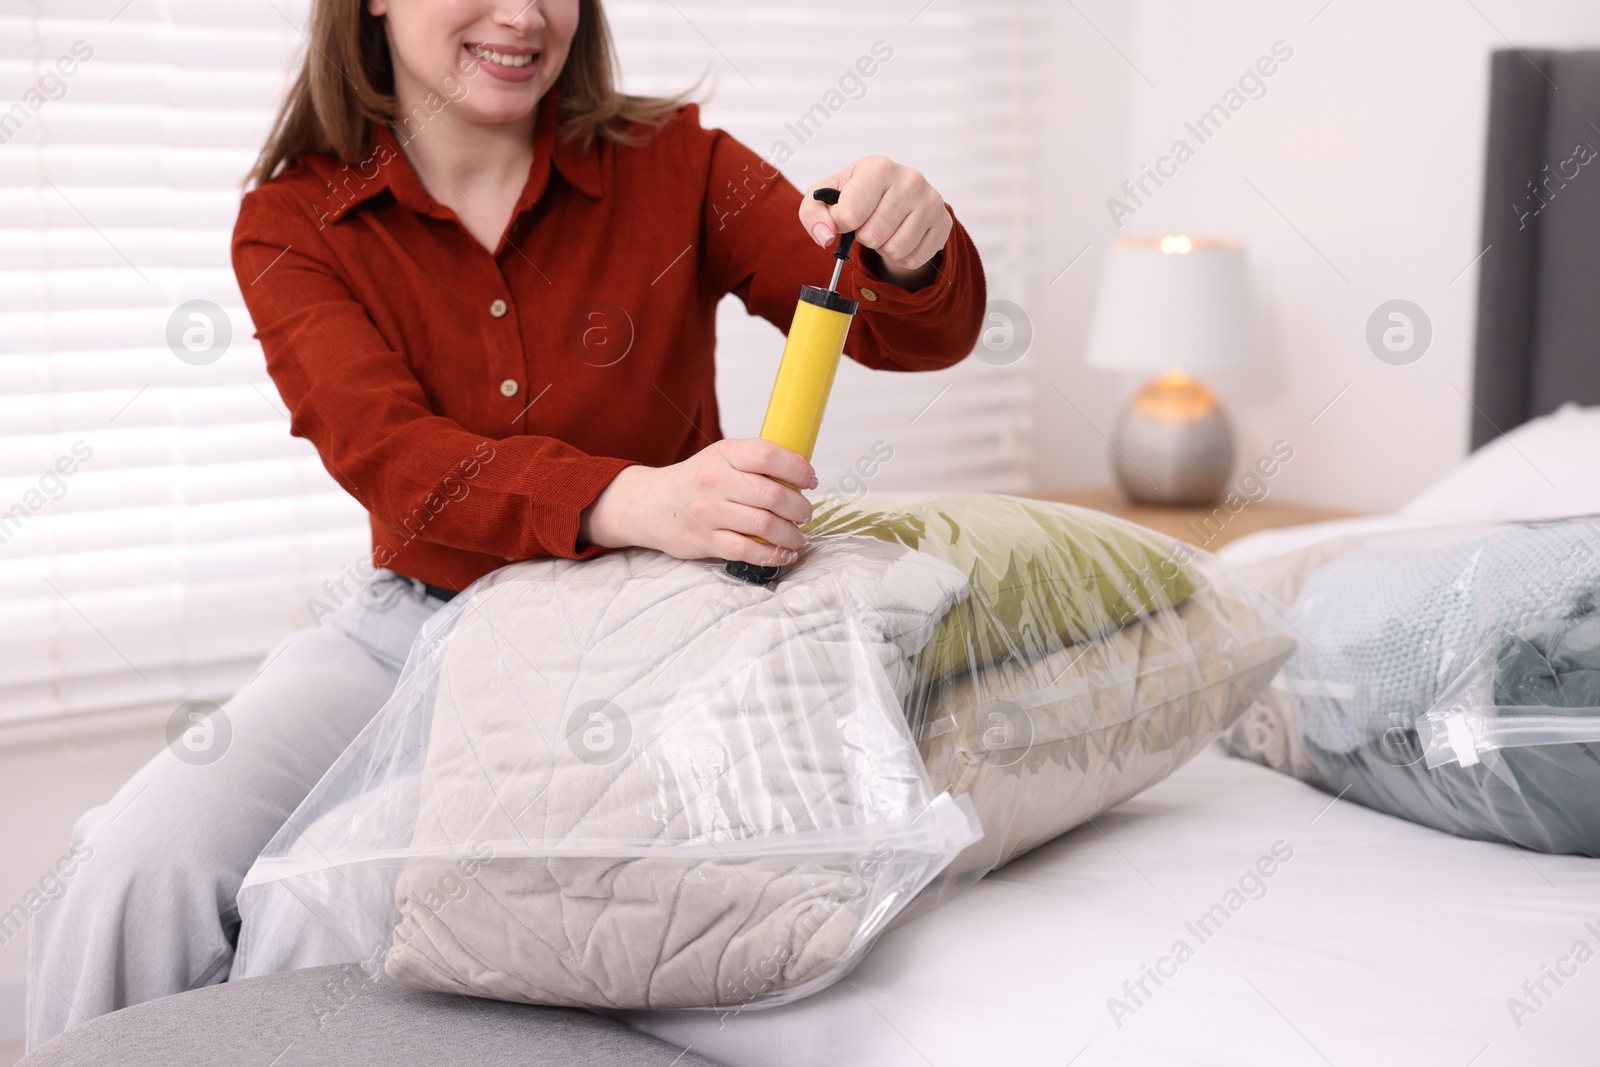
<point x="708" y="506"/>
<point x="893" y="210"/>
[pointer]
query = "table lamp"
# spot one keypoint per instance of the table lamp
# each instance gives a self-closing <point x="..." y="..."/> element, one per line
<point x="1172" y="306"/>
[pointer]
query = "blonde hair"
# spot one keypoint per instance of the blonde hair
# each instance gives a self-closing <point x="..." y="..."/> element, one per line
<point x="347" y="81"/>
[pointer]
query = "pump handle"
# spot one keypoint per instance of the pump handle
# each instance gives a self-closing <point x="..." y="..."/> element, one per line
<point x="847" y="241"/>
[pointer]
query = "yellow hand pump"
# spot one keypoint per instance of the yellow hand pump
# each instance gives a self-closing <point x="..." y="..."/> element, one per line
<point x="805" y="374"/>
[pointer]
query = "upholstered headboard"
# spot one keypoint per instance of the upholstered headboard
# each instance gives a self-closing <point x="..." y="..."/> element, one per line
<point x="1538" y="341"/>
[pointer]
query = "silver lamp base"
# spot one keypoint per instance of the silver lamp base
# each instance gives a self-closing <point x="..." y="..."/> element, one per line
<point x="1172" y="444"/>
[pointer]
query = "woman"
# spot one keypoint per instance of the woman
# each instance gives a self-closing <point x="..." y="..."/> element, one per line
<point x="485" y="283"/>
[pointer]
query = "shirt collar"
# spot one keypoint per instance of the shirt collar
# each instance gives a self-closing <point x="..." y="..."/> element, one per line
<point x="383" y="165"/>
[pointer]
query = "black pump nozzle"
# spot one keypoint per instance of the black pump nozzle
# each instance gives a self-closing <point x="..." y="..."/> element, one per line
<point x="753" y="573"/>
<point x="846" y="240"/>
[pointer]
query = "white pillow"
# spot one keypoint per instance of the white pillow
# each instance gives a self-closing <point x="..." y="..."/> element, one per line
<point x="1283" y="540"/>
<point x="1542" y="469"/>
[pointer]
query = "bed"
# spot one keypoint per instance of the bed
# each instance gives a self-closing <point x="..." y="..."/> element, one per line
<point x="1378" y="941"/>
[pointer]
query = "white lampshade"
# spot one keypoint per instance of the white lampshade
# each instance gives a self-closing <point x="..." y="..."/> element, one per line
<point x="1172" y="302"/>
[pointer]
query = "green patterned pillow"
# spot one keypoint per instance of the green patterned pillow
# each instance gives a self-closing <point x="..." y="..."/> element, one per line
<point x="1042" y="575"/>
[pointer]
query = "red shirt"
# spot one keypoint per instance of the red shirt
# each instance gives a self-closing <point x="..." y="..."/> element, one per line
<point x="476" y="403"/>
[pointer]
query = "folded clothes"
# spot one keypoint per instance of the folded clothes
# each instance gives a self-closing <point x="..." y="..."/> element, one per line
<point x="1541" y="797"/>
<point x="1388" y="625"/>
<point x="1552" y="663"/>
<point x="1447" y="676"/>
<point x="635" y="782"/>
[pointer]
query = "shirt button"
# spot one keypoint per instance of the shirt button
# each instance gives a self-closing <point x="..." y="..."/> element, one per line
<point x="869" y="294"/>
<point x="508" y="387"/>
<point x="498" y="310"/>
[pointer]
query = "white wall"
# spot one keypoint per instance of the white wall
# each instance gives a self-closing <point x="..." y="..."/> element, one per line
<point x="1080" y="141"/>
<point x="1369" y="141"/>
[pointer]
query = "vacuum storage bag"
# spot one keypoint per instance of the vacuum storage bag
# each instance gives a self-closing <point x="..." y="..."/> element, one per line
<point x="637" y="782"/>
<point x="632" y="781"/>
<point x="1449" y="676"/>
<point x="1090" y="659"/>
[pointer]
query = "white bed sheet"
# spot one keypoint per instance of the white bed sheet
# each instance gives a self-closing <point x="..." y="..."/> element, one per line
<point x="1378" y="942"/>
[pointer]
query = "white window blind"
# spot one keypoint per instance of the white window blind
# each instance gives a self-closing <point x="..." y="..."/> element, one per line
<point x="159" y="528"/>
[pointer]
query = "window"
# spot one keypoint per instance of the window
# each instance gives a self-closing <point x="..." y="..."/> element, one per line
<point x="159" y="528"/>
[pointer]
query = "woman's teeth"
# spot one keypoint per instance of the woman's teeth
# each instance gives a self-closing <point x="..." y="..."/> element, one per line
<point x="500" y="58"/>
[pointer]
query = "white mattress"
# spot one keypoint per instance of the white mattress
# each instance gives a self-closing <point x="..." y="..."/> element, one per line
<point x="1378" y="942"/>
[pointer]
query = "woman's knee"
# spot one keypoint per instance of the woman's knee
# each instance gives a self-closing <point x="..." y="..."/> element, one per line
<point x="188" y="819"/>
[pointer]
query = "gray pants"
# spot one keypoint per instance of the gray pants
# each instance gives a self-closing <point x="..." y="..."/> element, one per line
<point x="149" y="908"/>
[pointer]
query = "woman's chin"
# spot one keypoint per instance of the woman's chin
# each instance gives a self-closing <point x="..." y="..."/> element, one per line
<point x="504" y="112"/>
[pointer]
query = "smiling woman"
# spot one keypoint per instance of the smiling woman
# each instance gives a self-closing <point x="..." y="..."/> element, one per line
<point x="453" y="200"/>
<point x="532" y="164"/>
<point x="332" y="104"/>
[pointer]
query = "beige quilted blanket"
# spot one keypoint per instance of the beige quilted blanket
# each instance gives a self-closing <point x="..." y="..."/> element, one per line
<point x="675" y="789"/>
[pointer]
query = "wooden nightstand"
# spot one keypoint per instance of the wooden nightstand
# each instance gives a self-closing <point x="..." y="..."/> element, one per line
<point x="1198" y="526"/>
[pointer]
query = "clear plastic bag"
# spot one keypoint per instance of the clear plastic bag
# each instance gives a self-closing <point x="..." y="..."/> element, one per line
<point x="636" y="782"/>
<point x="1555" y="662"/>
<point x="1461" y="734"/>
<point x="1043" y="745"/>
<point x="633" y="782"/>
<point x="1450" y="676"/>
